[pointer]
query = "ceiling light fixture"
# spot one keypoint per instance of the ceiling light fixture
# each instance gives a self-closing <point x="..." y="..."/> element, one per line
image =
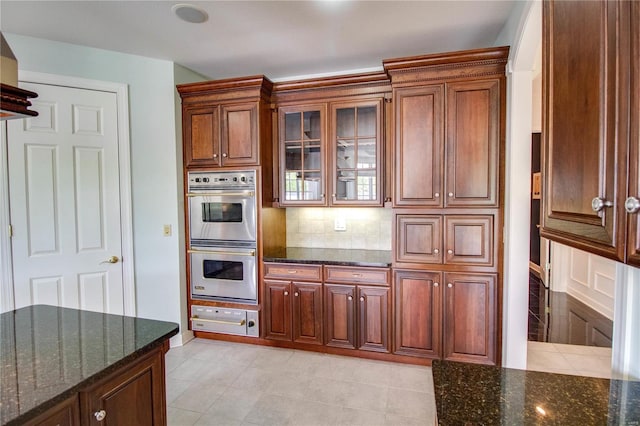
<point x="190" y="13"/>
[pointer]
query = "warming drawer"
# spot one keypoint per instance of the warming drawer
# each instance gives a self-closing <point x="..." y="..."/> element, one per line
<point x="225" y="320"/>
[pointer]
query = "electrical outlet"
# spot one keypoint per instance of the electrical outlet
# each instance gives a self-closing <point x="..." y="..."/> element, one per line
<point x="340" y="224"/>
<point x="166" y="230"/>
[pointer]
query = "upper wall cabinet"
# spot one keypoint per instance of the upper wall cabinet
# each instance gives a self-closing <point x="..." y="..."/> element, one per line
<point x="331" y="140"/>
<point x="448" y="156"/>
<point x="226" y="122"/>
<point x="590" y="104"/>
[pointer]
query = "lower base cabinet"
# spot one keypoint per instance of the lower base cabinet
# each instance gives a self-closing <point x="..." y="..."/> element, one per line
<point x="357" y="317"/>
<point x="132" y="396"/>
<point x="446" y="315"/>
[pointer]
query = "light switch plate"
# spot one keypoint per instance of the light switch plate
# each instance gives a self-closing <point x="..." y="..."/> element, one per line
<point x="166" y="230"/>
<point x="340" y="224"/>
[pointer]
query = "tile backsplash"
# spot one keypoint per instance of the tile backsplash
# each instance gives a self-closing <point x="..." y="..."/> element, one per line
<point x="366" y="228"/>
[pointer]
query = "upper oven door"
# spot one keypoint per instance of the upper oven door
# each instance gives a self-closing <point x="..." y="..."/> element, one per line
<point x="220" y="215"/>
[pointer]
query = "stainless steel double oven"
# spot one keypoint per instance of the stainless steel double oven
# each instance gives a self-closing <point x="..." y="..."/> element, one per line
<point x="222" y="250"/>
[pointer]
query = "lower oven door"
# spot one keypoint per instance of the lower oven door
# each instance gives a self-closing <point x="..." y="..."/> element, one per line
<point x="223" y="273"/>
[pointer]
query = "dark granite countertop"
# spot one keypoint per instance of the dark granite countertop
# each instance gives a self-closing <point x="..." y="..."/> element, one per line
<point x="47" y="354"/>
<point x="489" y="395"/>
<point x="344" y="257"/>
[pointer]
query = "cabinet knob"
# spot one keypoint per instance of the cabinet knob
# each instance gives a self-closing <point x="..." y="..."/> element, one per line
<point x="100" y="415"/>
<point x="350" y="298"/>
<point x="362" y="298"/>
<point x="224" y="154"/>
<point x="449" y="285"/>
<point x="436" y="195"/>
<point x="598" y="204"/>
<point x="333" y="195"/>
<point x="436" y="284"/>
<point x="632" y="205"/>
<point x="450" y="251"/>
<point x="450" y="194"/>
<point x="215" y="155"/>
<point x="436" y="251"/>
<point x="295" y="294"/>
<point x="286" y="293"/>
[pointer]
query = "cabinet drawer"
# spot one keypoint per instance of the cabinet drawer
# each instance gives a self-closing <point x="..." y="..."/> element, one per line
<point x="293" y="271"/>
<point x="350" y="275"/>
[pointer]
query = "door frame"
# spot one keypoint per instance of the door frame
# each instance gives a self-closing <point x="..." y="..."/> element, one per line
<point x="121" y="91"/>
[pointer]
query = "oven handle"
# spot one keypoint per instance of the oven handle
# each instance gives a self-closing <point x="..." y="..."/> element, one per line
<point x="195" y="318"/>
<point x="221" y="194"/>
<point x="232" y="253"/>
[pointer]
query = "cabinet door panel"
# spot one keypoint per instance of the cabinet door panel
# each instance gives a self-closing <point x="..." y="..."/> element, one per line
<point x="472" y="143"/>
<point x="307" y="313"/>
<point x="66" y="413"/>
<point x="579" y="96"/>
<point x="469" y="240"/>
<point x="418" y="238"/>
<point x="418" y="314"/>
<point x="134" y="397"/>
<point x="373" y="308"/>
<point x="202" y="137"/>
<point x="277" y="308"/>
<point x="340" y="323"/>
<point x="240" y="135"/>
<point x="418" y="146"/>
<point x="470" y="318"/>
<point x="633" y="242"/>
<point x="302" y="155"/>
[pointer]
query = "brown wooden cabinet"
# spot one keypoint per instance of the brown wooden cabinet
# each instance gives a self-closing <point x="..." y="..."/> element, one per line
<point x="331" y="140"/>
<point x="293" y="309"/>
<point x="470" y="317"/>
<point x="357" y="315"/>
<point x="227" y="123"/>
<point x="472" y="125"/>
<point x="418" y="305"/>
<point x="65" y="413"/>
<point x="590" y="105"/>
<point x="424" y="240"/>
<point x="452" y="318"/>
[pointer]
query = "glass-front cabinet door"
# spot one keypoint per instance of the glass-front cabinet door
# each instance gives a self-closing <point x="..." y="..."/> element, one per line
<point x="302" y="158"/>
<point x="356" y="134"/>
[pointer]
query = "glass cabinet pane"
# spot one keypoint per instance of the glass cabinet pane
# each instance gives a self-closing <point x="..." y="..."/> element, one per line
<point x="303" y="156"/>
<point x="356" y="155"/>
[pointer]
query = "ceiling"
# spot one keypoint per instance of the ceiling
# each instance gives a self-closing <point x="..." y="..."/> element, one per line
<point x="279" y="39"/>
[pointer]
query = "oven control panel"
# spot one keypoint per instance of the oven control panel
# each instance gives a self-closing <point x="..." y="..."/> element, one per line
<point x="221" y="180"/>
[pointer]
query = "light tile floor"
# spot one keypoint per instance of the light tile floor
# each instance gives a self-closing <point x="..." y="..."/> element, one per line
<point x="212" y="382"/>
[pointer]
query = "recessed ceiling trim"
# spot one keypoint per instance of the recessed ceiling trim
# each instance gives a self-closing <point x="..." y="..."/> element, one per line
<point x="190" y="13"/>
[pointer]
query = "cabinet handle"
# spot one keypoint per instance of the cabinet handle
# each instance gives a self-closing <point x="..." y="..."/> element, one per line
<point x="598" y="204"/>
<point x="350" y="298"/>
<point x="436" y="251"/>
<point x="224" y="154"/>
<point x="286" y="293"/>
<point x="632" y="205"/>
<point x="356" y="275"/>
<point x="215" y="155"/>
<point x="450" y="194"/>
<point x="295" y="294"/>
<point x="449" y="285"/>
<point x="292" y="271"/>
<point x="450" y="251"/>
<point x="100" y="415"/>
<point x="436" y="284"/>
<point x="362" y="298"/>
<point x="436" y="195"/>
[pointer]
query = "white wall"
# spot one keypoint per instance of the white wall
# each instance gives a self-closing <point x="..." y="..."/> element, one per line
<point x="155" y="174"/>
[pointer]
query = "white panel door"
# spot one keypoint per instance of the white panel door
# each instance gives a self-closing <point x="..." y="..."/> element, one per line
<point x="65" y="201"/>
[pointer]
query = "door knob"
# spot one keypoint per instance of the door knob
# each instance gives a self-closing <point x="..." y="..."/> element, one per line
<point x="112" y="259"/>
<point x="632" y="205"/>
<point x="598" y="204"/>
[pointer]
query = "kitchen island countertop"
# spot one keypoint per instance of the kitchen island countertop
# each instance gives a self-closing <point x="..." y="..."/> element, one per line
<point x="48" y="353"/>
<point x="330" y="256"/>
<point x="490" y="395"/>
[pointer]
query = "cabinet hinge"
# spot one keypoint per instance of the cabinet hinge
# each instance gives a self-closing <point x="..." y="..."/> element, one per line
<point x="10" y="231"/>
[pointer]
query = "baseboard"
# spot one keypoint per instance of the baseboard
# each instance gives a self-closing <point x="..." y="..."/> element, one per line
<point x="181" y="338"/>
